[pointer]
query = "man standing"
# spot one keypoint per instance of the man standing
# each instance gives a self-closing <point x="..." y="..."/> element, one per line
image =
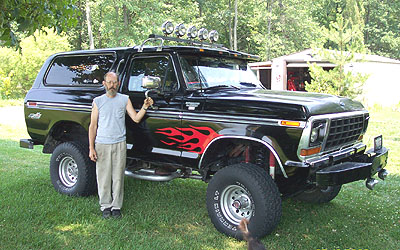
<point x="107" y="142"/>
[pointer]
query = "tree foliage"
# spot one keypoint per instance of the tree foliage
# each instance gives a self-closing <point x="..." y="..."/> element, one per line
<point x="25" y="17"/>
<point x="338" y="81"/>
<point x="18" y="70"/>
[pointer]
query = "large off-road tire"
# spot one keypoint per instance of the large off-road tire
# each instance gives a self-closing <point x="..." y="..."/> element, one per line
<point x="240" y="191"/>
<point x="319" y="194"/>
<point x="71" y="170"/>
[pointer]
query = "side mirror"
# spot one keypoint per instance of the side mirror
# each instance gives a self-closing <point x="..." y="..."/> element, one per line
<point x="151" y="82"/>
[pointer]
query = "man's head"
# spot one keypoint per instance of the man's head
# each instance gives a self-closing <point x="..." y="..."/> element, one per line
<point x="111" y="83"/>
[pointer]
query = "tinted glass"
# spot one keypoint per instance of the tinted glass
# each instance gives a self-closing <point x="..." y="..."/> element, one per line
<point x="79" y="70"/>
<point x="152" y="66"/>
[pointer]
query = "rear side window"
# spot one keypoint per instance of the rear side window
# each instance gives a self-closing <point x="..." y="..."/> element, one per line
<point x="79" y="69"/>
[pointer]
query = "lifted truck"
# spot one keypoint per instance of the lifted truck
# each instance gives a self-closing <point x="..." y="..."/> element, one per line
<point x="213" y="121"/>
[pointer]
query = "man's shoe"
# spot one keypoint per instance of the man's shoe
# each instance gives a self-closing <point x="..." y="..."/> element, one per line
<point x="107" y="213"/>
<point x="116" y="213"/>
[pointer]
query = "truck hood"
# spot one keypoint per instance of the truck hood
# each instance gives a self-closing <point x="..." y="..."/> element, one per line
<point x="278" y="104"/>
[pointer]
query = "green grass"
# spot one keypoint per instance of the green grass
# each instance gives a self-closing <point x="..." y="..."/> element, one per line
<point x="173" y="215"/>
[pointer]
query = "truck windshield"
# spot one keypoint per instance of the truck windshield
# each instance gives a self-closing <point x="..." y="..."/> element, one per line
<point x="209" y="72"/>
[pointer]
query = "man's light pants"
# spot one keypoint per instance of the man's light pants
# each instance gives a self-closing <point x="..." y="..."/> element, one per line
<point x="110" y="168"/>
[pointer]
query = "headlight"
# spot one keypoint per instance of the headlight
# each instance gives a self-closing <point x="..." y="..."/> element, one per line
<point x="314" y="135"/>
<point x="167" y="28"/>
<point x="318" y="132"/>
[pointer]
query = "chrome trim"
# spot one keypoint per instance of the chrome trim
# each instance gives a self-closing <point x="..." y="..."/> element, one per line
<point x="166" y="151"/>
<point x="335" y="156"/>
<point x="54" y="105"/>
<point x="246" y="138"/>
<point x="304" y="140"/>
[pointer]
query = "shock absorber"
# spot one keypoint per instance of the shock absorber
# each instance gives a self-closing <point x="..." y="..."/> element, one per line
<point x="271" y="165"/>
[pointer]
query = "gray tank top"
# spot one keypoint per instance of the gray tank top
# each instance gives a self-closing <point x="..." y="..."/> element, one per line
<point x="111" y="124"/>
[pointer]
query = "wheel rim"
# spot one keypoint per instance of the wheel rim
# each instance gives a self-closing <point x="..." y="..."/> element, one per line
<point x="236" y="204"/>
<point x="68" y="171"/>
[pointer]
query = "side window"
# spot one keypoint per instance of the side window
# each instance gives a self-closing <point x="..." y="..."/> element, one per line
<point x="152" y="66"/>
<point x="79" y="69"/>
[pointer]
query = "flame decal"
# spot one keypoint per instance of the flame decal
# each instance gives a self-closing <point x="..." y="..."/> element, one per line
<point x="193" y="139"/>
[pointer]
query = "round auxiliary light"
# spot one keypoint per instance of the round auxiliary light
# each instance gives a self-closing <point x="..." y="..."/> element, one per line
<point x="203" y="34"/>
<point x="213" y="35"/>
<point x="167" y="28"/>
<point x="192" y="32"/>
<point x="180" y="30"/>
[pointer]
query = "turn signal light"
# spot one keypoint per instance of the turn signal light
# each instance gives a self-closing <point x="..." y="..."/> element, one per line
<point x="310" y="151"/>
<point x="290" y="123"/>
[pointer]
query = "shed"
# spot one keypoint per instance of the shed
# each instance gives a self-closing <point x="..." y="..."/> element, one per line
<point x="291" y="71"/>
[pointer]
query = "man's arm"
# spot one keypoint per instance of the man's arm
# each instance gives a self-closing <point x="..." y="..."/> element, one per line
<point x="137" y="116"/>
<point x="93" y="132"/>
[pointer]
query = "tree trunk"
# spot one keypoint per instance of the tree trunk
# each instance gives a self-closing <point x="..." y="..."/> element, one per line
<point x="235" y="27"/>
<point x="116" y="28"/>
<point x="89" y="25"/>
<point x="126" y="22"/>
<point x="230" y="26"/>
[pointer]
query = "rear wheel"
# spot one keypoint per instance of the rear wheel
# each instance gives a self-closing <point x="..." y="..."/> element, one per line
<point x="243" y="191"/>
<point x="71" y="170"/>
<point x="319" y="194"/>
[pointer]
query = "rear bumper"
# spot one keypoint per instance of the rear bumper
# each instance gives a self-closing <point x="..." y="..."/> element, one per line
<point x="364" y="168"/>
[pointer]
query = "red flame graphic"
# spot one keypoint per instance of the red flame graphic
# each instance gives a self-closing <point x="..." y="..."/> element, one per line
<point x="194" y="139"/>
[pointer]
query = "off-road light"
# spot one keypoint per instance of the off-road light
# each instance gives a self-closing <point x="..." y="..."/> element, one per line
<point x="192" y="32"/>
<point x="203" y="34"/>
<point x="213" y="35"/>
<point x="167" y="28"/>
<point x="180" y="30"/>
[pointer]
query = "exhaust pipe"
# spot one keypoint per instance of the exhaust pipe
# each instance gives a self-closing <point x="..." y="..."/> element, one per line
<point x="370" y="183"/>
<point x="383" y="174"/>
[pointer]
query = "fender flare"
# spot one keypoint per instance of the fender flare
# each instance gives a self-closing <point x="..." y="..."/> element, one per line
<point x="269" y="146"/>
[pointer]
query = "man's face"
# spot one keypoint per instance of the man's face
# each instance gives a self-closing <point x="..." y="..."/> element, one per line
<point x="111" y="84"/>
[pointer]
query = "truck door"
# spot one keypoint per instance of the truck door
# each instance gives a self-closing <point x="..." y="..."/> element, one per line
<point x="149" y="139"/>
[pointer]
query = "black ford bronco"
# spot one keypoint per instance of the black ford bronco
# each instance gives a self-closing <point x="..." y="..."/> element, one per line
<point x="212" y="120"/>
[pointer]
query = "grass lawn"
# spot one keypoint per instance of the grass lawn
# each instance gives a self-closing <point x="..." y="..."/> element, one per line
<point x="173" y="215"/>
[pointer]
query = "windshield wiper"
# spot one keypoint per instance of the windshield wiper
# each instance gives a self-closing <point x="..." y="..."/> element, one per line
<point x="221" y="86"/>
<point x="248" y="84"/>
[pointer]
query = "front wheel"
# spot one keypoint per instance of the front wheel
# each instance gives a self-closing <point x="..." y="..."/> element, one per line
<point x="243" y="191"/>
<point x="71" y="171"/>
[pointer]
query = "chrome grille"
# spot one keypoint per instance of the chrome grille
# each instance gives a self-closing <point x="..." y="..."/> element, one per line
<point x="345" y="130"/>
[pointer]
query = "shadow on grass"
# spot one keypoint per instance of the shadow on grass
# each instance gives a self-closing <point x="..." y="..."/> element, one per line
<point x="173" y="215"/>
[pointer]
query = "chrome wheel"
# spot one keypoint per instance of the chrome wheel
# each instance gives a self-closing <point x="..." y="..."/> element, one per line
<point x="236" y="204"/>
<point x="68" y="171"/>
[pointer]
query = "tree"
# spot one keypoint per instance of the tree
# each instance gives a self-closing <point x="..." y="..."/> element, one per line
<point x="345" y="45"/>
<point x="26" y="17"/>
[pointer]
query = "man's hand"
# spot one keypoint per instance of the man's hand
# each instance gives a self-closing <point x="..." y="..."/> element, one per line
<point x="148" y="102"/>
<point x="93" y="155"/>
